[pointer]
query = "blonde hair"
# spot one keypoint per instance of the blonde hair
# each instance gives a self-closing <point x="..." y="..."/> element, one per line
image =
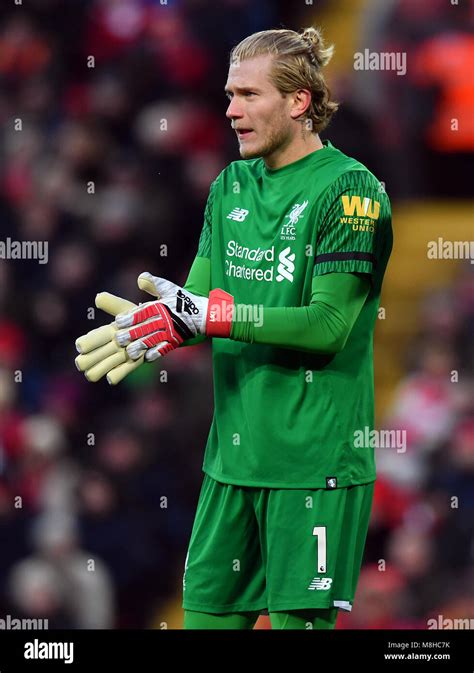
<point x="299" y="59"/>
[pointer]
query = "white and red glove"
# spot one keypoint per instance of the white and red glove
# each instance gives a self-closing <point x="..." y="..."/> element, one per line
<point x="158" y="327"/>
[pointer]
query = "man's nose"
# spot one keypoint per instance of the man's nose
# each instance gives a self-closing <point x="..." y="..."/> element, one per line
<point x="233" y="110"/>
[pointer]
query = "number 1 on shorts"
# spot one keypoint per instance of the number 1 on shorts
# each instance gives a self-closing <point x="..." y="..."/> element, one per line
<point x="320" y="532"/>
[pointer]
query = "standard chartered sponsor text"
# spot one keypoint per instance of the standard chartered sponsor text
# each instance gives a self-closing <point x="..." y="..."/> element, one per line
<point x="253" y="255"/>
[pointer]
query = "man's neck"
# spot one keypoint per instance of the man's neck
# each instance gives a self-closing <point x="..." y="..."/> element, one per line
<point x="299" y="148"/>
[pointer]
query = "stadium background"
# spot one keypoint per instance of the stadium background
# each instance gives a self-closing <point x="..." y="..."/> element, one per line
<point x="110" y="475"/>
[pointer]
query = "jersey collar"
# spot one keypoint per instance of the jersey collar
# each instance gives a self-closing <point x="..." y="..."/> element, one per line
<point x="309" y="159"/>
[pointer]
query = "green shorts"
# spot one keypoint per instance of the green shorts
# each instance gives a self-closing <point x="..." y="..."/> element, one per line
<point x="255" y="549"/>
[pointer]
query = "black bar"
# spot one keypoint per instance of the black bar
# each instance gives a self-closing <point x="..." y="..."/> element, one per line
<point x="345" y="256"/>
<point x="149" y="650"/>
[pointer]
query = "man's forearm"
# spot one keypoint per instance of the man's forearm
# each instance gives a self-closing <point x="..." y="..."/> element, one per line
<point x="321" y="327"/>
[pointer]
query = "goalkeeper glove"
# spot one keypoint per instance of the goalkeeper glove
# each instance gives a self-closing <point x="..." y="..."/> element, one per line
<point x="99" y="353"/>
<point x="157" y="327"/>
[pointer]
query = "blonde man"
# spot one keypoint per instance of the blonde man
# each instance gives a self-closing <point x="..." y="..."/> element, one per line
<point x="287" y="281"/>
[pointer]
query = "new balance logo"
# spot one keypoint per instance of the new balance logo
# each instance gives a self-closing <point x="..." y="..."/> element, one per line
<point x="320" y="584"/>
<point x="286" y="266"/>
<point x="238" y="214"/>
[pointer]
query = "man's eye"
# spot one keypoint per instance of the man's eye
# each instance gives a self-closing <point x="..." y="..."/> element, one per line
<point x="246" y="94"/>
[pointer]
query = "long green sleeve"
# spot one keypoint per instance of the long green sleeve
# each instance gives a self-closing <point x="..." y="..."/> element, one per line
<point x="199" y="277"/>
<point x="321" y="327"/>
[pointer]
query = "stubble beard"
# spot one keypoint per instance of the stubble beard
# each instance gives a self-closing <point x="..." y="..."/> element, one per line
<point x="276" y="139"/>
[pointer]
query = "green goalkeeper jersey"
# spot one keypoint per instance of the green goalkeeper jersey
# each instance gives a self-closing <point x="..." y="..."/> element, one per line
<point x="287" y="418"/>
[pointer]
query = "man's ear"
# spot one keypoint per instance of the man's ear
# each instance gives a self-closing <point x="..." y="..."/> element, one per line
<point x="301" y="102"/>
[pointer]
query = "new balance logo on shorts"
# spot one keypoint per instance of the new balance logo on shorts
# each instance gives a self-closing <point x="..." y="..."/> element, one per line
<point x="320" y="584"/>
<point x="238" y="214"/>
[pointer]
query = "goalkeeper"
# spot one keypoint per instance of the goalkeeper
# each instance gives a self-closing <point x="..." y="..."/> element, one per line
<point x="287" y="282"/>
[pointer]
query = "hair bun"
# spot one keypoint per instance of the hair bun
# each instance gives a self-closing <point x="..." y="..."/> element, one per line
<point x="318" y="54"/>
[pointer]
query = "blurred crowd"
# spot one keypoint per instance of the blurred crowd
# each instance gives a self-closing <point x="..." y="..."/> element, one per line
<point x="110" y="111"/>
<point x="416" y="130"/>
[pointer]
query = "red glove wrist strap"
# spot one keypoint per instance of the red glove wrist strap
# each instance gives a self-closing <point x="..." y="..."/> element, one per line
<point x="220" y="311"/>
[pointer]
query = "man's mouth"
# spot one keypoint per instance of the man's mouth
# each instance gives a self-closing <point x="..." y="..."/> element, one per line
<point x="243" y="133"/>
